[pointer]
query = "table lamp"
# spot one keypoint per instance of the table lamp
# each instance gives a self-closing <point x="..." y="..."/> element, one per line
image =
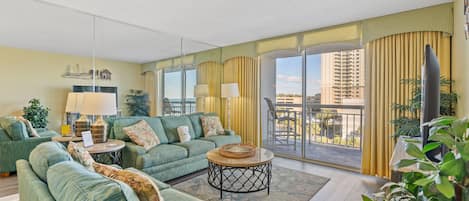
<point x="201" y="91"/>
<point x="99" y="104"/>
<point x="74" y="104"/>
<point x="228" y="91"/>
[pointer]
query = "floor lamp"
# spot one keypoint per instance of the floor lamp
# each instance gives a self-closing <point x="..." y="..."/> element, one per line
<point x="201" y="91"/>
<point x="228" y="91"/>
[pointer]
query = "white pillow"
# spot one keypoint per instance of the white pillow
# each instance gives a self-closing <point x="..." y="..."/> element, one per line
<point x="184" y="135"/>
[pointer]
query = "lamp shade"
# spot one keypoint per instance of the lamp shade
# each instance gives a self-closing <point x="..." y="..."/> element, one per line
<point x="99" y="104"/>
<point x="74" y="102"/>
<point x="201" y="90"/>
<point x="229" y="90"/>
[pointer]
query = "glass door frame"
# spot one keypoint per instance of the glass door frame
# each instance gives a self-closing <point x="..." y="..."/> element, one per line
<point x="182" y="69"/>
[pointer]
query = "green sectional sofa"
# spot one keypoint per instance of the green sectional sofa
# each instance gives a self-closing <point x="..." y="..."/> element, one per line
<point x="16" y="144"/>
<point x="51" y="174"/>
<point x="170" y="159"/>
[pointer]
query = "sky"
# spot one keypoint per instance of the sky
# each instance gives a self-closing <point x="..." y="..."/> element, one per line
<point x="289" y="75"/>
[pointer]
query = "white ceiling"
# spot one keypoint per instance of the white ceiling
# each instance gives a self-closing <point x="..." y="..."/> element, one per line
<point x="34" y="25"/>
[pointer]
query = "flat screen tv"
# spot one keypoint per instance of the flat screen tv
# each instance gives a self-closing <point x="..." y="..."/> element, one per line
<point x="430" y="96"/>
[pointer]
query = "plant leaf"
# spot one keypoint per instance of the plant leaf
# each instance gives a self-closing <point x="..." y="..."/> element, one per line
<point x="431" y="146"/>
<point x="443" y="138"/>
<point x="405" y="163"/>
<point x="445" y="186"/>
<point x="453" y="168"/>
<point x="423" y="181"/>
<point x="426" y="166"/>
<point x="414" y="151"/>
<point x="366" y="198"/>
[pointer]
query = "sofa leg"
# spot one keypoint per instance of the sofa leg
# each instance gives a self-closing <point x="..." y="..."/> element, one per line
<point x="4" y="174"/>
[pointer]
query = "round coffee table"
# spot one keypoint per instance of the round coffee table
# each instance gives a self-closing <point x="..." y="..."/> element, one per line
<point x="242" y="175"/>
<point x="111" y="148"/>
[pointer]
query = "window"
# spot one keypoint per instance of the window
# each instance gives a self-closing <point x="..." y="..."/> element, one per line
<point x="178" y="91"/>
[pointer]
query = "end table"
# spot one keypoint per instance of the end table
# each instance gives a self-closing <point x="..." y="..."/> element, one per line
<point x="111" y="149"/>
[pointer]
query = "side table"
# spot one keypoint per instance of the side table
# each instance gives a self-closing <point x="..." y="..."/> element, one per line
<point x="66" y="139"/>
<point x="110" y="149"/>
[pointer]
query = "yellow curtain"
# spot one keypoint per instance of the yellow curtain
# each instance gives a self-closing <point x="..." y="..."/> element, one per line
<point x="150" y="88"/>
<point x="210" y="73"/>
<point x="245" y="108"/>
<point x="389" y="60"/>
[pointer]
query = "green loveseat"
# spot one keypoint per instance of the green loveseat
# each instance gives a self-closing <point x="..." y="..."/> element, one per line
<point x="16" y="144"/>
<point x="170" y="159"/>
<point x="51" y="174"/>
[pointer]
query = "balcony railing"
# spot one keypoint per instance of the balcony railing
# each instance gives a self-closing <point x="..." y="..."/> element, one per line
<point x="178" y="107"/>
<point x="337" y="125"/>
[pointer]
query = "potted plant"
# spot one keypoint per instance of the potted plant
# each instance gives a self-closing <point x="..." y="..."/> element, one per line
<point x="137" y="102"/>
<point x="36" y="113"/>
<point x="444" y="180"/>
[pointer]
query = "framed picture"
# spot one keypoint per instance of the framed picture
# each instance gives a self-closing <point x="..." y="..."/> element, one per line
<point x="466" y="7"/>
<point x="87" y="138"/>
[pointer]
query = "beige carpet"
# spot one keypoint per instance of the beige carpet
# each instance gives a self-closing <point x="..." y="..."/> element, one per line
<point x="287" y="185"/>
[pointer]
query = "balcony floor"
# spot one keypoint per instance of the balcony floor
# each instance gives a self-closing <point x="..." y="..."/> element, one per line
<point x="338" y="155"/>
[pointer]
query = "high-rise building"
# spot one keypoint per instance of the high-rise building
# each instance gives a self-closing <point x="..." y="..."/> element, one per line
<point x="342" y="76"/>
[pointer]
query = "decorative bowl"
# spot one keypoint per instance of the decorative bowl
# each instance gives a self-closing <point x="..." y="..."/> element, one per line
<point x="237" y="150"/>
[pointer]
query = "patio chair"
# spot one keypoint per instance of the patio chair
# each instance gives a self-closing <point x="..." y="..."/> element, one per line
<point x="281" y="135"/>
<point x="168" y="108"/>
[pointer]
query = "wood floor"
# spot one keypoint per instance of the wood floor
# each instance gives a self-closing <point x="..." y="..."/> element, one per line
<point x="343" y="185"/>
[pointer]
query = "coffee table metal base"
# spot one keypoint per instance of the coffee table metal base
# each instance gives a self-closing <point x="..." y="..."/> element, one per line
<point x="240" y="179"/>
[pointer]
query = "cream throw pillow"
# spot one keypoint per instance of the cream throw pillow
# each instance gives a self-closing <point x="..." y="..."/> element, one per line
<point x="143" y="186"/>
<point x="212" y="126"/>
<point x="184" y="135"/>
<point x="81" y="155"/>
<point x="31" y="131"/>
<point x="142" y="134"/>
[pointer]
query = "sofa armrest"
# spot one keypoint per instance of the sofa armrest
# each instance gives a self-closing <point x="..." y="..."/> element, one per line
<point x="229" y="132"/>
<point x="11" y="151"/>
<point x="130" y="154"/>
<point x="30" y="186"/>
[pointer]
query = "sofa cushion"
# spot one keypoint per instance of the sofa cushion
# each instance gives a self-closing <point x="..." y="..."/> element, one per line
<point x="212" y="126"/>
<point x="46" y="155"/>
<point x="71" y="181"/>
<point x="171" y="124"/>
<point x="4" y="136"/>
<point x="197" y="147"/>
<point x="171" y="194"/>
<point x="155" y="124"/>
<point x="14" y="128"/>
<point x="221" y="140"/>
<point x="197" y="124"/>
<point x="161" y="154"/>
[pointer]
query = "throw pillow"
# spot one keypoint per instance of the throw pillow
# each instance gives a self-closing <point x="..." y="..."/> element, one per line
<point x="142" y="134"/>
<point x="14" y="128"/>
<point x="184" y="135"/>
<point x="145" y="188"/>
<point x="212" y="126"/>
<point x="31" y="131"/>
<point x="81" y="155"/>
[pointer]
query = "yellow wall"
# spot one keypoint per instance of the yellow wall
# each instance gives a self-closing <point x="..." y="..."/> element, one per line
<point x="460" y="60"/>
<point x="26" y="74"/>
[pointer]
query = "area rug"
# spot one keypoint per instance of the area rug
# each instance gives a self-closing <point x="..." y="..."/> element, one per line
<point x="287" y="185"/>
<point x="14" y="197"/>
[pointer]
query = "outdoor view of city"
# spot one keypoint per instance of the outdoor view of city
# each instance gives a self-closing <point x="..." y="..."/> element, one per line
<point x="335" y="84"/>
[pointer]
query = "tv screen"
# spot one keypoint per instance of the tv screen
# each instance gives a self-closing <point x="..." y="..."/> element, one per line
<point x="430" y="96"/>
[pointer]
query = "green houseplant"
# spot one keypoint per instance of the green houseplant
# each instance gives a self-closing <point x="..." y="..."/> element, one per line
<point x="137" y="102"/>
<point x="36" y="113"/>
<point x="444" y="180"/>
<point x="408" y="121"/>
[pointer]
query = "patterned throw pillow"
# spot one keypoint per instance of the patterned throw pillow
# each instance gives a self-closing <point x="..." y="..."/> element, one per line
<point x="184" y="135"/>
<point x="145" y="189"/>
<point x="80" y="155"/>
<point x="212" y="126"/>
<point x="142" y="134"/>
<point x="31" y="131"/>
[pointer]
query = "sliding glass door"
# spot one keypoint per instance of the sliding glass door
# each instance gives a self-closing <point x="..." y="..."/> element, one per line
<point x="317" y="105"/>
<point x="178" y="91"/>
